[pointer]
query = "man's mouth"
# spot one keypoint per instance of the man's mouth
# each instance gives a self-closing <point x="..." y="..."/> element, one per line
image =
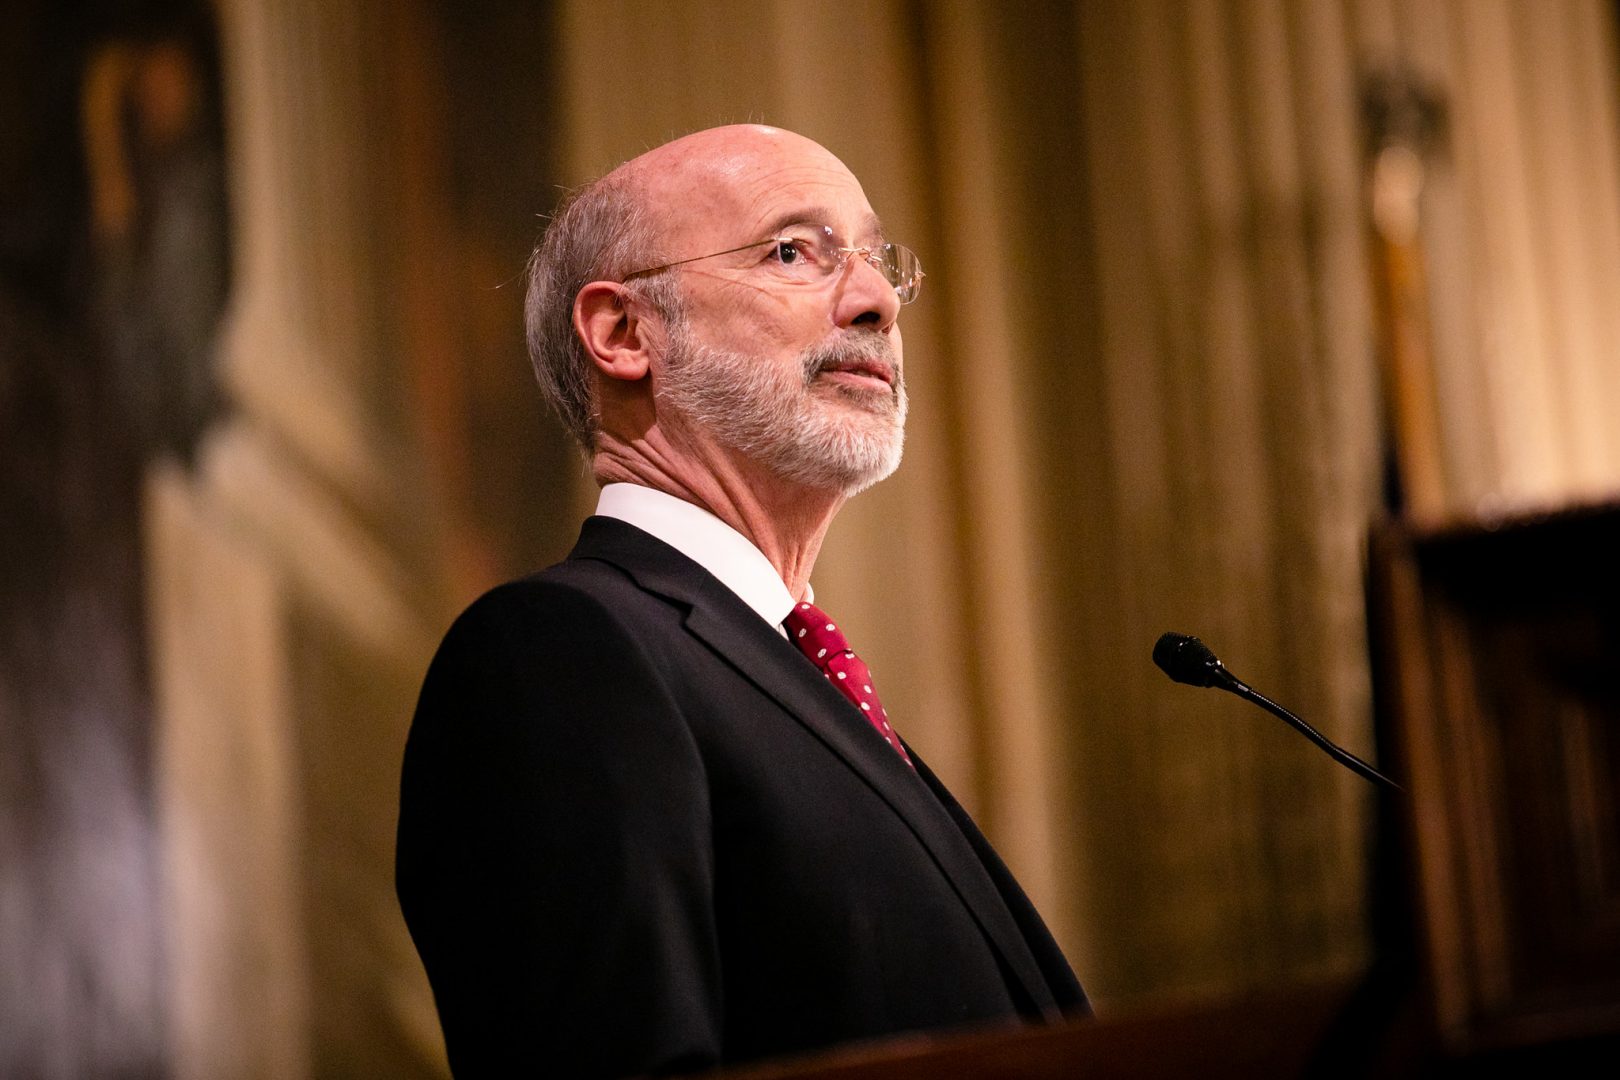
<point x="874" y="373"/>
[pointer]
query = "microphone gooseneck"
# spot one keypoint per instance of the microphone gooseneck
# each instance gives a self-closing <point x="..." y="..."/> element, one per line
<point x="1187" y="660"/>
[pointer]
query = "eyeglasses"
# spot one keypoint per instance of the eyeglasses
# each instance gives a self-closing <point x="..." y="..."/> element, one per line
<point x="809" y="254"/>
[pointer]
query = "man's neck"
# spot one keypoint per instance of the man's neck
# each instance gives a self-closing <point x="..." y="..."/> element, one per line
<point x="786" y="522"/>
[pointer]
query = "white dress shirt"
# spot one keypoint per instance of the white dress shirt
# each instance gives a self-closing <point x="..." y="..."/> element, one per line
<point x="707" y="541"/>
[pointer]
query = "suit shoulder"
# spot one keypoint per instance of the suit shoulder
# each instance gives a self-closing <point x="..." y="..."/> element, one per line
<point x="568" y="641"/>
<point x="567" y="604"/>
<point x="579" y="632"/>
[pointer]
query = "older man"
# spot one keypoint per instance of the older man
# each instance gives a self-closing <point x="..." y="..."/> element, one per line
<point x="654" y="814"/>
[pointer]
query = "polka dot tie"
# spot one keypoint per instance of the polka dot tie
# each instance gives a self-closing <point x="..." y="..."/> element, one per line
<point x="821" y="640"/>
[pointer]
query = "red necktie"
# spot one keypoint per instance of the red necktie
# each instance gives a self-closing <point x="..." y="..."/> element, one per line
<point x="820" y="640"/>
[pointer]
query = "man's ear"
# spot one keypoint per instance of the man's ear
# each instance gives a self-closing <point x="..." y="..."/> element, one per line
<point x="611" y="330"/>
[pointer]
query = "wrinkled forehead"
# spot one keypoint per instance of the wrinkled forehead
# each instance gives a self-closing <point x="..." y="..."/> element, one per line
<point x="729" y="186"/>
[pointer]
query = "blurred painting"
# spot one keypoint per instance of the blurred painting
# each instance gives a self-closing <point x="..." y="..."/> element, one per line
<point x="113" y="275"/>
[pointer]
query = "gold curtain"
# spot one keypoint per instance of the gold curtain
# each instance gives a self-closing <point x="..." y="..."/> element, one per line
<point x="1146" y="398"/>
<point x="1522" y="235"/>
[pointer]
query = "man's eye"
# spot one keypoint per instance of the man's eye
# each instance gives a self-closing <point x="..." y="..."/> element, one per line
<point x="790" y="252"/>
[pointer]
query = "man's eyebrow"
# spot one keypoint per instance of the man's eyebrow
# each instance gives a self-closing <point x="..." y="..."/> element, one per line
<point x="871" y="227"/>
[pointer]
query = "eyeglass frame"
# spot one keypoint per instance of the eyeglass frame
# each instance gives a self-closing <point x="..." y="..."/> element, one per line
<point x="868" y="252"/>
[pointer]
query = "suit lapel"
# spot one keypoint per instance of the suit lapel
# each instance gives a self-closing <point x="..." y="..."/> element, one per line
<point x="741" y="638"/>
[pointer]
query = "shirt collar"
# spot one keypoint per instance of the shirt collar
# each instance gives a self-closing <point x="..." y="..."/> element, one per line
<point x="706" y="540"/>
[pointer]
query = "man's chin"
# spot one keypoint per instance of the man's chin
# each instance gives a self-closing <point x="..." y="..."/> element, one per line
<point x="870" y="425"/>
<point x="868" y="455"/>
<point x="878" y="472"/>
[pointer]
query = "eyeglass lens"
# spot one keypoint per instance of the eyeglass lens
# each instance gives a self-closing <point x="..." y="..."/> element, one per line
<point x="897" y="263"/>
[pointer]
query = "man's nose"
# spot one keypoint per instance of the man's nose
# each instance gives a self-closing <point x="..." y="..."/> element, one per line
<point x="864" y="296"/>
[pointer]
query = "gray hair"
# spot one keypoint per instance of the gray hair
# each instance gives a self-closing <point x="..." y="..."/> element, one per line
<point x="600" y="232"/>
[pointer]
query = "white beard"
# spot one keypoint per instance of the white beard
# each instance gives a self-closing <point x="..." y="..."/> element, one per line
<point x="835" y="435"/>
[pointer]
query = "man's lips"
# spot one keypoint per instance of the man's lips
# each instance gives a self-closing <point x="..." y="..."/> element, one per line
<point x="862" y="371"/>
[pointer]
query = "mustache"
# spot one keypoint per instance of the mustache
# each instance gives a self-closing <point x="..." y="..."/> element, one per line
<point x="852" y="347"/>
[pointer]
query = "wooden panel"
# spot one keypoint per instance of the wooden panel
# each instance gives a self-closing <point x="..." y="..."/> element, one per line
<point x="1283" y="1033"/>
<point x="1498" y="649"/>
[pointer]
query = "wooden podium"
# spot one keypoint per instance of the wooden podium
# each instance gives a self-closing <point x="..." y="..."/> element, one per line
<point x="1497" y="662"/>
<point x="1276" y="1035"/>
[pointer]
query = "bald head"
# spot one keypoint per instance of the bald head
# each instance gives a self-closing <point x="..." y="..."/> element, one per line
<point x="717" y="153"/>
<point x="690" y="185"/>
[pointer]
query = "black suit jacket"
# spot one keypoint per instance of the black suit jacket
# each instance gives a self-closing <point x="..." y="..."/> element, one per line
<point x="639" y="832"/>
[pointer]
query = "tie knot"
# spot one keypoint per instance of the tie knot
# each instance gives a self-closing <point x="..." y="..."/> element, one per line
<point x="817" y="636"/>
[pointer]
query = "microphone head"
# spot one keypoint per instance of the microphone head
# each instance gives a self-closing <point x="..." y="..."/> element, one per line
<point x="1187" y="660"/>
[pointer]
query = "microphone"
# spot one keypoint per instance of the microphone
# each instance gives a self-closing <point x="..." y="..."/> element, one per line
<point x="1187" y="660"/>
